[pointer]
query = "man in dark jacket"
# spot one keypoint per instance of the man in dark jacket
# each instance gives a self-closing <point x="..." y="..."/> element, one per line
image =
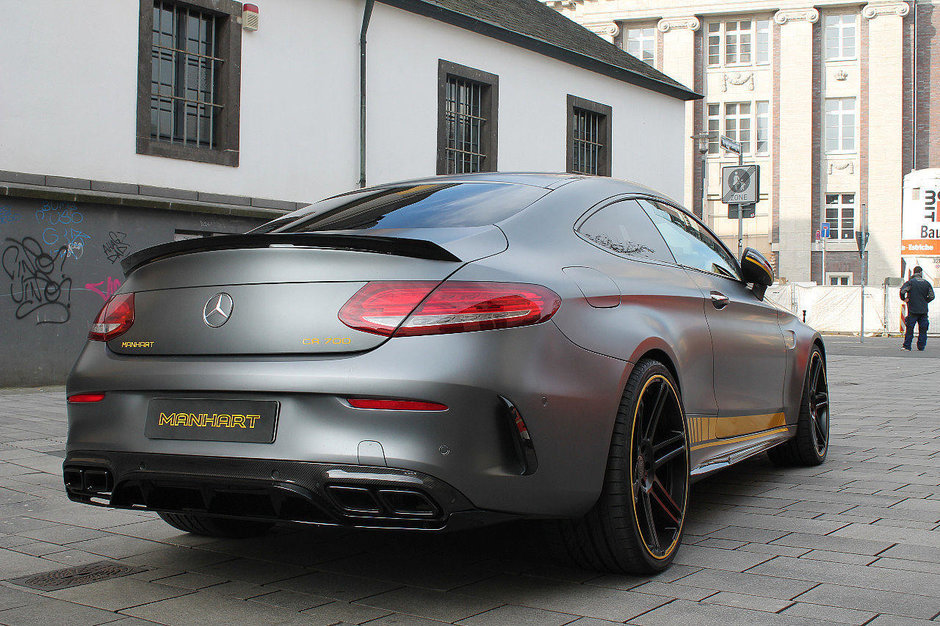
<point x="917" y="292"/>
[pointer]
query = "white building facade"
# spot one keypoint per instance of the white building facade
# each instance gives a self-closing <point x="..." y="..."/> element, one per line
<point x="831" y="98"/>
<point x="127" y="124"/>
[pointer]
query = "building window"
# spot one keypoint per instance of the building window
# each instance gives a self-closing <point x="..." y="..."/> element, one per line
<point x="188" y="78"/>
<point x="840" y="37"/>
<point x="714" y="127"/>
<point x="739" y="42"/>
<point x="840" y="214"/>
<point x="467" y="129"/>
<point x="641" y="43"/>
<point x="762" y="43"/>
<point x="588" y="137"/>
<point x="840" y="124"/>
<point x="745" y="122"/>
<point x="738" y="124"/>
<point x="763" y="128"/>
<point x="839" y="278"/>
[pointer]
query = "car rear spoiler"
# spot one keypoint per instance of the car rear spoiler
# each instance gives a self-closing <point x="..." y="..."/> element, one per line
<point x="416" y="248"/>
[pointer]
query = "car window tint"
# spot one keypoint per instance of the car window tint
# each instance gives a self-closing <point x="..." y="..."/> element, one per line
<point x="411" y="206"/>
<point x="691" y="244"/>
<point x="624" y="229"/>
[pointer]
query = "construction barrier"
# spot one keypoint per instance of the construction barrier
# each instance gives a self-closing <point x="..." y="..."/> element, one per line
<point x="836" y="309"/>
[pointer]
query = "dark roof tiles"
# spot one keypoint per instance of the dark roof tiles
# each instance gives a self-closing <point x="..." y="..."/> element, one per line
<point x="533" y="25"/>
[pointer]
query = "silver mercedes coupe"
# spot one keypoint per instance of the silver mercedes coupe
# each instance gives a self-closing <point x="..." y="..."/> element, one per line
<point x="444" y="353"/>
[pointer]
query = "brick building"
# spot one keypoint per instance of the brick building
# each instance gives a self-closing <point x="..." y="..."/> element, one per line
<point x="833" y="99"/>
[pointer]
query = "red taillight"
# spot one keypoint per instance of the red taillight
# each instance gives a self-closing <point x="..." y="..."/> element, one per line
<point x="453" y="307"/>
<point x="86" y="397"/>
<point x="115" y="318"/>
<point x="395" y="405"/>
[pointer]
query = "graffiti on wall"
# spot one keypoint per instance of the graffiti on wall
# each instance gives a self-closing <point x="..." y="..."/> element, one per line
<point x="60" y="221"/>
<point x="115" y="247"/>
<point x="38" y="283"/>
<point x="7" y="216"/>
<point x="105" y="288"/>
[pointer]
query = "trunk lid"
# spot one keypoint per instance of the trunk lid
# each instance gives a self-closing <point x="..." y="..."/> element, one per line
<point x="276" y="294"/>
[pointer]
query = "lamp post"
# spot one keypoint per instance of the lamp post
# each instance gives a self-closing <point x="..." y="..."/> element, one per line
<point x="701" y="142"/>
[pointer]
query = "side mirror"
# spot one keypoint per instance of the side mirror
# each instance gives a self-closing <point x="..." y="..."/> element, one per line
<point x="757" y="270"/>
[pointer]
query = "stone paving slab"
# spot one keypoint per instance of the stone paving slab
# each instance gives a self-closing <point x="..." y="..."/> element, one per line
<point x="854" y="541"/>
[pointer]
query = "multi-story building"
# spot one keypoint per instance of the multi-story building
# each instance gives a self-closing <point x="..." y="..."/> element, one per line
<point x="833" y="99"/>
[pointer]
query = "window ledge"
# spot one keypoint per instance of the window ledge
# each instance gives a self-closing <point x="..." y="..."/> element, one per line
<point x="152" y="147"/>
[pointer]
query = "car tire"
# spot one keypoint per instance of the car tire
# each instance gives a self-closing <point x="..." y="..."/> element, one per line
<point x="811" y="443"/>
<point x="215" y="526"/>
<point x="642" y="504"/>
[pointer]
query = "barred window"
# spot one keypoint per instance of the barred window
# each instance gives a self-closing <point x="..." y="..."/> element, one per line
<point x="589" y="134"/>
<point x="183" y="97"/>
<point x="189" y="55"/>
<point x="467" y="124"/>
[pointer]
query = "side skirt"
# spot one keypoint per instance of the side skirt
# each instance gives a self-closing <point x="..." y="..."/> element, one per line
<point x="723" y="456"/>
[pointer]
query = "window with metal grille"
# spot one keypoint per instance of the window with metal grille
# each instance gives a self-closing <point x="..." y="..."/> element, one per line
<point x="184" y="102"/>
<point x="467" y="120"/>
<point x="189" y="54"/>
<point x="588" y="137"/>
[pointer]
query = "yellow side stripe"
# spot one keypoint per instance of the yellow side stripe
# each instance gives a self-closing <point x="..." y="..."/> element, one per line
<point x="739" y="439"/>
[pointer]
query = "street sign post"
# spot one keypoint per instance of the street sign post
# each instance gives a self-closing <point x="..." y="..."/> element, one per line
<point x="824" y="230"/>
<point x="861" y="240"/>
<point x="740" y="189"/>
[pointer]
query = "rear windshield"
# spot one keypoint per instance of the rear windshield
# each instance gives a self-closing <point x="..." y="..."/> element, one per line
<point x="412" y="206"/>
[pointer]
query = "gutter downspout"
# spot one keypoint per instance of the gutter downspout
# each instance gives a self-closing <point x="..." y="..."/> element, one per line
<point x="366" y="16"/>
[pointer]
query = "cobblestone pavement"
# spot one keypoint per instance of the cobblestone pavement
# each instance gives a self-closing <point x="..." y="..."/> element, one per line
<point x="855" y="541"/>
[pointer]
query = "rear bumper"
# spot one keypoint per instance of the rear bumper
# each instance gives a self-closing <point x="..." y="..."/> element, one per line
<point x="270" y="490"/>
<point x="567" y="397"/>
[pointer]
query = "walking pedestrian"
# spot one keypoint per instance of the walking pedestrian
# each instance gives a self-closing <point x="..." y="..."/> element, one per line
<point x="917" y="292"/>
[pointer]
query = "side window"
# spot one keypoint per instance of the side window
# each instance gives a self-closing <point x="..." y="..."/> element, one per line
<point x="623" y="229"/>
<point x="692" y="245"/>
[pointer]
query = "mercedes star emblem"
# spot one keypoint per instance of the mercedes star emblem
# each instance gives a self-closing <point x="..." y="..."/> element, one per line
<point x="217" y="310"/>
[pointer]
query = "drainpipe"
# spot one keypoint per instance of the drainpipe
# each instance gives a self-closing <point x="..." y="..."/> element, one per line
<point x="366" y="16"/>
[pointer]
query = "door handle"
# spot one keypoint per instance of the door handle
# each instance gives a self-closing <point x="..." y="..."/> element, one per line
<point x="720" y="300"/>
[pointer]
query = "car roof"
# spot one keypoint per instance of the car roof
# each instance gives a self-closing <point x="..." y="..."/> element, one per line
<point x="546" y="180"/>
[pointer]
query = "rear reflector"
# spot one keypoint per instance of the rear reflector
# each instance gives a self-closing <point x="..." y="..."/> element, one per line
<point x="395" y="405"/>
<point x="86" y="397"/>
<point x="412" y="308"/>
<point x="114" y="319"/>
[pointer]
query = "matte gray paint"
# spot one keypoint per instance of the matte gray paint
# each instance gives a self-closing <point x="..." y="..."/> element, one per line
<point x="565" y="376"/>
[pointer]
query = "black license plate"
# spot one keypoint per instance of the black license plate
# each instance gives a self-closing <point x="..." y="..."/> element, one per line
<point x="201" y="419"/>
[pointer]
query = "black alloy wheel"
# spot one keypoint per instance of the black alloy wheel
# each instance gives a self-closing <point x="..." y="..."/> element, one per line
<point x="819" y="403"/>
<point x="659" y="466"/>
<point x="636" y="525"/>
<point x="811" y="442"/>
